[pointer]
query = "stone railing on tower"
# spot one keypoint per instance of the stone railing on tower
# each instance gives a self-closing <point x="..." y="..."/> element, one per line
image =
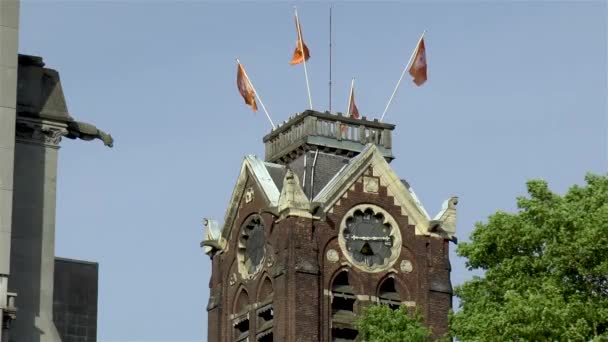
<point x="326" y="132"/>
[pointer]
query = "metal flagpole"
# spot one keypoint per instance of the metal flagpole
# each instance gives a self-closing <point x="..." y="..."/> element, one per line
<point x="330" y="58"/>
<point x="402" y="74"/>
<point x="257" y="95"/>
<point x="350" y="96"/>
<point x="303" y="55"/>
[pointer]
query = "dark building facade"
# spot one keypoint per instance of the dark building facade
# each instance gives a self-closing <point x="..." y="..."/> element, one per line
<point x="75" y="300"/>
<point x="318" y="230"/>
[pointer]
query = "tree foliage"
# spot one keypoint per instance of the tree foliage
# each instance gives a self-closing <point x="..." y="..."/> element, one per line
<point x="545" y="269"/>
<point x="380" y="323"/>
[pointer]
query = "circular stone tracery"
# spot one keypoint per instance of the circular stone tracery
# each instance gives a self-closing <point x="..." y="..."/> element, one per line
<point x="251" y="247"/>
<point x="370" y="238"/>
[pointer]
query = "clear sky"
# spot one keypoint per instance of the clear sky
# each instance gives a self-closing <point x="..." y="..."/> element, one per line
<point x="516" y="90"/>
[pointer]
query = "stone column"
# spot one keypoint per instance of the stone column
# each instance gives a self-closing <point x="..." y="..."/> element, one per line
<point x="33" y="252"/>
<point x="9" y="37"/>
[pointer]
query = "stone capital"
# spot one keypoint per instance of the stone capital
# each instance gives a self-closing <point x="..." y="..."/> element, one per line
<point x="40" y="132"/>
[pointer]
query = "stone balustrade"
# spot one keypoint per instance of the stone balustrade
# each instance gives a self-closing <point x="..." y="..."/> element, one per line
<point x="346" y="133"/>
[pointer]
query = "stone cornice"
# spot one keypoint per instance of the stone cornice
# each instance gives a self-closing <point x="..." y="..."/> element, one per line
<point x="40" y="132"/>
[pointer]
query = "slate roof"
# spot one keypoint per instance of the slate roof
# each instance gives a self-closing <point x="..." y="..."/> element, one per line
<point x="260" y="172"/>
<point x="277" y="173"/>
<point x="327" y="166"/>
<point x="333" y="174"/>
<point x="334" y="180"/>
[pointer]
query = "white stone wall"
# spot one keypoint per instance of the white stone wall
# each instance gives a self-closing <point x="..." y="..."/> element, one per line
<point x="9" y="39"/>
<point x="9" y="36"/>
<point x="33" y="255"/>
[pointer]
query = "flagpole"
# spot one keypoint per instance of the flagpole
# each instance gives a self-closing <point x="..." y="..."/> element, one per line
<point x="257" y="95"/>
<point x="350" y="96"/>
<point x="402" y="74"/>
<point x="330" y="58"/>
<point x="303" y="55"/>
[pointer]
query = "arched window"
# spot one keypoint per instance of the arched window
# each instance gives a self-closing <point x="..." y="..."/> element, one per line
<point x="266" y="291"/>
<point x="265" y="312"/>
<point x="343" y="296"/>
<point x="241" y="322"/>
<point x="242" y="302"/>
<point x="342" y="308"/>
<point x="388" y="294"/>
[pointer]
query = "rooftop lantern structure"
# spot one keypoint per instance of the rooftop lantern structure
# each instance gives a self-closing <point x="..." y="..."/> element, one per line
<point x="329" y="133"/>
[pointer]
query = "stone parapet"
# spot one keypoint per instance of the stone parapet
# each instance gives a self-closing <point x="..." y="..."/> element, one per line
<point x="328" y="132"/>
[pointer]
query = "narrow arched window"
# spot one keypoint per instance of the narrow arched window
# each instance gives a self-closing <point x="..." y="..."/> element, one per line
<point x="265" y="312"/>
<point x="342" y="308"/>
<point x="343" y="296"/>
<point x="266" y="292"/>
<point x="388" y="294"/>
<point x="240" y="323"/>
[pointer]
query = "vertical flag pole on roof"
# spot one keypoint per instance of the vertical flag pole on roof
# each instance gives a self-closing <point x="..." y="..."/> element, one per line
<point x="330" y="58"/>
<point x="301" y="46"/>
<point x="256" y="93"/>
<point x="402" y="74"/>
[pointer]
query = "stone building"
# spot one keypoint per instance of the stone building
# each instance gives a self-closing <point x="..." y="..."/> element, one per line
<point x="42" y="119"/>
<point x="33" y="120"/>
<point x="320" y="228"/>
<point x="75" y="300"/>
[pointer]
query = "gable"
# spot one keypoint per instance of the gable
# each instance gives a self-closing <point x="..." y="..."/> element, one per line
<point x="404" y="196"/>
<point x="252" y="170"/>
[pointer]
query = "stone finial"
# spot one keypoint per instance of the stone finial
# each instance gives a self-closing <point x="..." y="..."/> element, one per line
<point x="293" y="201"/>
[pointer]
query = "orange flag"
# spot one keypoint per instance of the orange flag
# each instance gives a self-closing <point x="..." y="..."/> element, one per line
<point x="298" y="55"/>
<point x="418" y="68"/>
<point x="245" y="88"/>
<point x="352" y="107"/>
<point x="353" y="112"/>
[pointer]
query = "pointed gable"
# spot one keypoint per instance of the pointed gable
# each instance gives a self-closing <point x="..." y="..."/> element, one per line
<point x="404" y="196"/>
<point x="256" y="168"/>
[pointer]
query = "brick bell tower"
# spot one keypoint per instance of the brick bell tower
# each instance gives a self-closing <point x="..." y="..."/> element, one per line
<point x="319" y="229"/>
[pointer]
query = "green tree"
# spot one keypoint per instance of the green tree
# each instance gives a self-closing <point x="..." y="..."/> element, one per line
<point x="380" y="323"/>
<point x="545" y="269"/>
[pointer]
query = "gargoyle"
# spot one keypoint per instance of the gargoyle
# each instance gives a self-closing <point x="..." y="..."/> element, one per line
<point x="445" y="220"/>
<point x="85" y="131"/>
<point x="213" y="242"/>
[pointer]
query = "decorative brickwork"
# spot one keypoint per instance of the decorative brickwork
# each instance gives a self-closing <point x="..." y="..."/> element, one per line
<point x="307" y="288"/>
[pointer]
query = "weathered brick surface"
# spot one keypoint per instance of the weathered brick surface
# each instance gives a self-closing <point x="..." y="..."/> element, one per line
<point x="301" y="274"/>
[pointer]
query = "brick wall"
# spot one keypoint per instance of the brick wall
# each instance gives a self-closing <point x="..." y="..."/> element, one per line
<point x="301" y="274"/>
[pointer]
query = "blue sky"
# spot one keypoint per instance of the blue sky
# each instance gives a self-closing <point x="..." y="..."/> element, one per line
<point x="516" y="90"/>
